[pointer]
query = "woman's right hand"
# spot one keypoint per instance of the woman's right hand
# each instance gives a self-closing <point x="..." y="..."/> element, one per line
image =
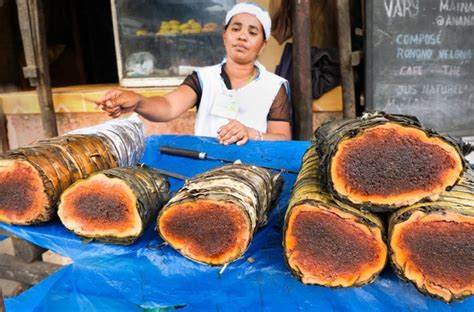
<point x="118" y="101"/>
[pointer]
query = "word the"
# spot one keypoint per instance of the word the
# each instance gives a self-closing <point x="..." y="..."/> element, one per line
<point x="450" y="70"/>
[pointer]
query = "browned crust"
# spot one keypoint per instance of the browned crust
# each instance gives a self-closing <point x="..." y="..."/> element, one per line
<point x="329" y="247"/>
<point x="99" y="207"/>
<point x="445" y="166"/>
<point x="435" y="252"/>
<point x="23" y="199"/>
<point x="207" y="231"/>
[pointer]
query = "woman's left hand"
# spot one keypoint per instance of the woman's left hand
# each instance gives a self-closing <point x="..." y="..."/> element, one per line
<point x="233" y="132"/>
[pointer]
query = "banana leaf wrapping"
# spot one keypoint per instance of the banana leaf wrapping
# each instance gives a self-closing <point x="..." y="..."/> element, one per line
<point x="214" y="216"/>
<point x="33" y="177"/>
<point x="382" y="162"/>
<point x="126" y="137"/>
<point x="114" y="205"/>
<point x="432" y="243"/>
<point x="330" y="243"/>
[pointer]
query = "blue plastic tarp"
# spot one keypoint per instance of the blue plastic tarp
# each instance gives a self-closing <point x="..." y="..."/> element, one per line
<point x="150" y="275"/>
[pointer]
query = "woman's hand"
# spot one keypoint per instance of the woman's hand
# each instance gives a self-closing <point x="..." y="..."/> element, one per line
<point x="118" y="101"/>
<point x="233" y="132"/>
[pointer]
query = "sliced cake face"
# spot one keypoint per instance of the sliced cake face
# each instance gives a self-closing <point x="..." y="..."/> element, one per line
<point x="100" y="206"/>
<point x="213" y="217"/>
<point x="207" y="231"/>
<point x="393" y="165"/>
<point x="23" y="198"/>
<point x="436" y="252"/>
<point x="329" y="247"/>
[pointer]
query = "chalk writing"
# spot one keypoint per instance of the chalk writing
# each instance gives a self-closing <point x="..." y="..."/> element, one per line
<point x="458" y="20"/>
<point x="414" y="54"/>
<point x="411" y="71"/>
<point x="456" y="6"/>
<point x="401" y="8"/>
<point x="421" y="61"/>
<point x="450" y="70"/>
<point x="418" y="39"/>
<point x="439" y="89"/>
<point x="407" y="90"/>
<point x="445" y="54"/>
<point x="396" y="102"/>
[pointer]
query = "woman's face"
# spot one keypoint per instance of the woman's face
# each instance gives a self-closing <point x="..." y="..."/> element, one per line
<point x="244" y="38"/>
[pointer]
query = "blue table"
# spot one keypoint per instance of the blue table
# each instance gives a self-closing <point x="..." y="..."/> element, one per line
<point x="148" y="275"/>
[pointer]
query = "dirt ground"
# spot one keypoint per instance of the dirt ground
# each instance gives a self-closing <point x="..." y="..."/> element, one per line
<point x="9" y="288"/>
<point x="12" y="288"/>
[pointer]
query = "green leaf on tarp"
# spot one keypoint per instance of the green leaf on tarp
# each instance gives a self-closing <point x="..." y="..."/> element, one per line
<point x="163" y="309"/>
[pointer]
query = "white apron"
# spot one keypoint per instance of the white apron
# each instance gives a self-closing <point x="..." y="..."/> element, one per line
<point x="252" y="102"/>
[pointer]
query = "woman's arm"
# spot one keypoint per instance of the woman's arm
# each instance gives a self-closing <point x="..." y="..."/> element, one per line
<point x="277" y="131"/>
<point x="155" y="108"/>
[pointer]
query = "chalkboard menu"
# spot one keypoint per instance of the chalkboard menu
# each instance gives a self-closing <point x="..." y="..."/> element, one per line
<point x="420" y="61"/>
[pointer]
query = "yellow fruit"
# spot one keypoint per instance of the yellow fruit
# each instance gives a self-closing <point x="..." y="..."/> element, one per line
<point x="184" y="27"/>
<point x="214" y="25"/>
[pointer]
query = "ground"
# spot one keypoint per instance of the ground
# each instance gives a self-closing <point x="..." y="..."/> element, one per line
<point x="13" y="288"/>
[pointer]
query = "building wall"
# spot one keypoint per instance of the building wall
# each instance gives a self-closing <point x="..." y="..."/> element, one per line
<point x="74" y="111"/>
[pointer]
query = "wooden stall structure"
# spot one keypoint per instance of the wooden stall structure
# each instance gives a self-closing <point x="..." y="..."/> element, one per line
<point x="31" y="18"/>
<point x="26" y="266"/>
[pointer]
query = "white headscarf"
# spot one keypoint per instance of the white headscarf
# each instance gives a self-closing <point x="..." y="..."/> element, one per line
<point x="254" y="9"/>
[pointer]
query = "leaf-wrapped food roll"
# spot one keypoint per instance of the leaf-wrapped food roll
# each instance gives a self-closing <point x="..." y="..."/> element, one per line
<point x="432" y="243"/>
<point x="382" y="162"/>
<point x="330" y="243"/>
<point x="214" y="216"/>
<point x="115" y="205"/>
<point x="33" y="177"/>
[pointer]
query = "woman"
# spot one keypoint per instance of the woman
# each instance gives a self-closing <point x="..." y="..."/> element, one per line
<point x="237" y="100"/>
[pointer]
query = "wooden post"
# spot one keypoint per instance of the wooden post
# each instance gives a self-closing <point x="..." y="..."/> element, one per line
<point x="26" y="251"/>
<point x="345" y="58"/>
<point x="30" y="71"/>
<point x="3" y="130"/>
<point x="2" y="307"/>
<point x="31" y="18"/>
<point x="302" y="94"/>
<point x="14" y="269"/>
